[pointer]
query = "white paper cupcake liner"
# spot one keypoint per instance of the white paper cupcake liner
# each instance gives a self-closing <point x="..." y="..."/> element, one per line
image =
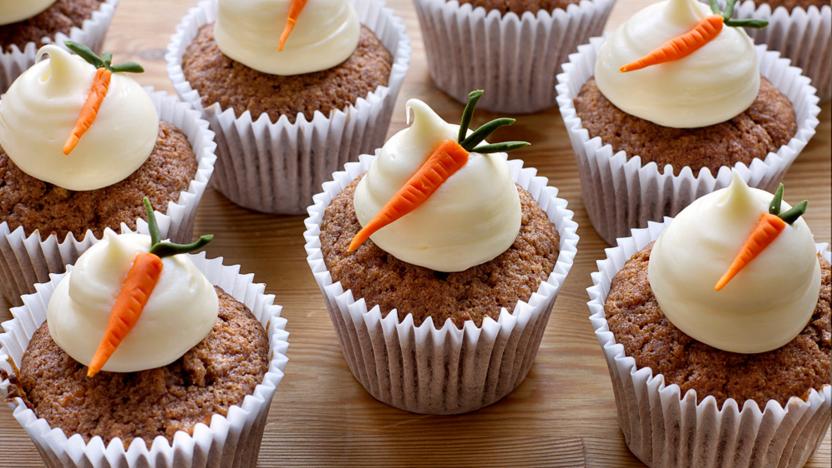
<point x="513" y="58"/>
<point x="802" y="35"/>
<point x="28" y="258"/>
<point x="447" y="370"/>
<point x="15" y="61"/>
<point x="230" y="440"/>
<point x="276" y="167"/>
<point x="664" y="428"/>
<point x="620" y="193"/>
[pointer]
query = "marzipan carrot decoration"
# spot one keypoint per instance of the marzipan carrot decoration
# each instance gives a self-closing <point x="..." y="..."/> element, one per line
<point x="447" y="158"/>
<point x="98" y="90"/>
<point x="295" y="8"/>
<point x="136" y="289"/>
<point x="702" y="33"/>
<point x="766" y="231"/>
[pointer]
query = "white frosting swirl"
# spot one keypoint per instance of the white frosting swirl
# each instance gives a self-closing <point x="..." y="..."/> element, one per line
<point x="711" y="85"/>
<point x="40" y="108"/>
<point x="248" y="31"/>
<point x="12" y="11"/>
<point x="471" y="219"/>
<point x="766" y="305"/>
<point x="180" y="312"/>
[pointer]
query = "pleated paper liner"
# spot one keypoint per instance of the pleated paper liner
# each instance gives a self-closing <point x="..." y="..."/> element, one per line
<point x="27" y="258"/>
<point x="620" y="193"/>
<point x="445" y="370"/>
<point x="514" y="58"/>
<point x="664" y="428"/>
<point x="276" y="167"/>
<point x="804" y="36"/>
<point x="232" y="439"/>
<point x="14" y="60"/>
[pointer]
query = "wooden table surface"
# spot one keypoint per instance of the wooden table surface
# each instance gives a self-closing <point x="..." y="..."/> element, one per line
<point x="562" y="415"/>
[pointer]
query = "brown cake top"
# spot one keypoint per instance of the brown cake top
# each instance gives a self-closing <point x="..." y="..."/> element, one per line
<point x="33" y="204"/>
<point x="634" y="317"/>
<point x="520" y="6"/>
<point x="60" y="17"/>
<point x="473" y="294"/>
<point x="219" y="79"/>
<point x="764" y="127"/>
<point x="210" y="378"/>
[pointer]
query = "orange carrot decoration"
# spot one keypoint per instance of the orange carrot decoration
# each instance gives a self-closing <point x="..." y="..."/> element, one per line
<point x="447" y="158"/>
<point x="766" y="231"/>
<point x="136" y="289"/>
<point x="702" y="33"/>
<point x="98" y="90"/>
<point x="295" y="8"/>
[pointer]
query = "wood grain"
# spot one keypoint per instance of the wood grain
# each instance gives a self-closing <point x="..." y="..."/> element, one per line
<point x="562" y="415"/>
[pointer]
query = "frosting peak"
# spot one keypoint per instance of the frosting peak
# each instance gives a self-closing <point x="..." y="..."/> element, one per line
<point x="713" y="84"/>
<point x="38" y="113"/>
<point x="180" y="312"/>
<point x="472" y="218"/>
<point x="325" y="35"/>
<point x="12" y="11"/>
<point x="766" y="305"/>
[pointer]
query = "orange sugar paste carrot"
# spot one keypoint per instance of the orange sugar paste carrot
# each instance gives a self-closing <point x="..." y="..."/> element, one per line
<point x="442" y="163"/>
<point x="98" y="90"/>
<point x="295" y="8"/>
<point x="768" y="228"/>
<point x="703" y="32"/>
<point x="136" y="288"/>
<point x="680" y="46"/>
<point x="135" y="291"/>
<point x="447" y="158"/>
<point x="95" y="97"/>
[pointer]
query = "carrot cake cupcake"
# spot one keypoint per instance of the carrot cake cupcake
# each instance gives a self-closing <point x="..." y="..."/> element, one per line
<point x="726" y="317"/>
<point x="435" y="237"/>
<point x="61" y="124"/>
<point x="661" y="110"/>
<point x="25" y="25"/>
<point x="144" y="346"/>
<point x="293" y="90"/>
<point x="511" y="49"/>
<point x="801" y="30"/>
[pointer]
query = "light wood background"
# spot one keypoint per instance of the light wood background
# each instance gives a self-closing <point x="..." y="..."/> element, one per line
<point x="562" y="415"/>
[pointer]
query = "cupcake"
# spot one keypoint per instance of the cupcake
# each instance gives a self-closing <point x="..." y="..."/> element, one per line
<point x="61" y="124"/>
<point x="715" y="326"/>
<point x="801" y="30"/>
<point x="513" y="50"/>
<point x="293" y="92"/>
<point x="655" y="126"/>
<point x="142" y="354"/>
<point x="440" y="261"/>
<point x="27" y="25"/>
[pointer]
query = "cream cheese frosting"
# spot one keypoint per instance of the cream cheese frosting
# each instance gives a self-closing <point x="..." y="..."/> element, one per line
<point x="179" y="313"/>
<point x="714" y="84"/>
<point x="248" y="31"/>
<point x="766" y="305"/>
<point x="40" y="108"/>
<point x="12" y="11"/>
<point x="471" y="219"/>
